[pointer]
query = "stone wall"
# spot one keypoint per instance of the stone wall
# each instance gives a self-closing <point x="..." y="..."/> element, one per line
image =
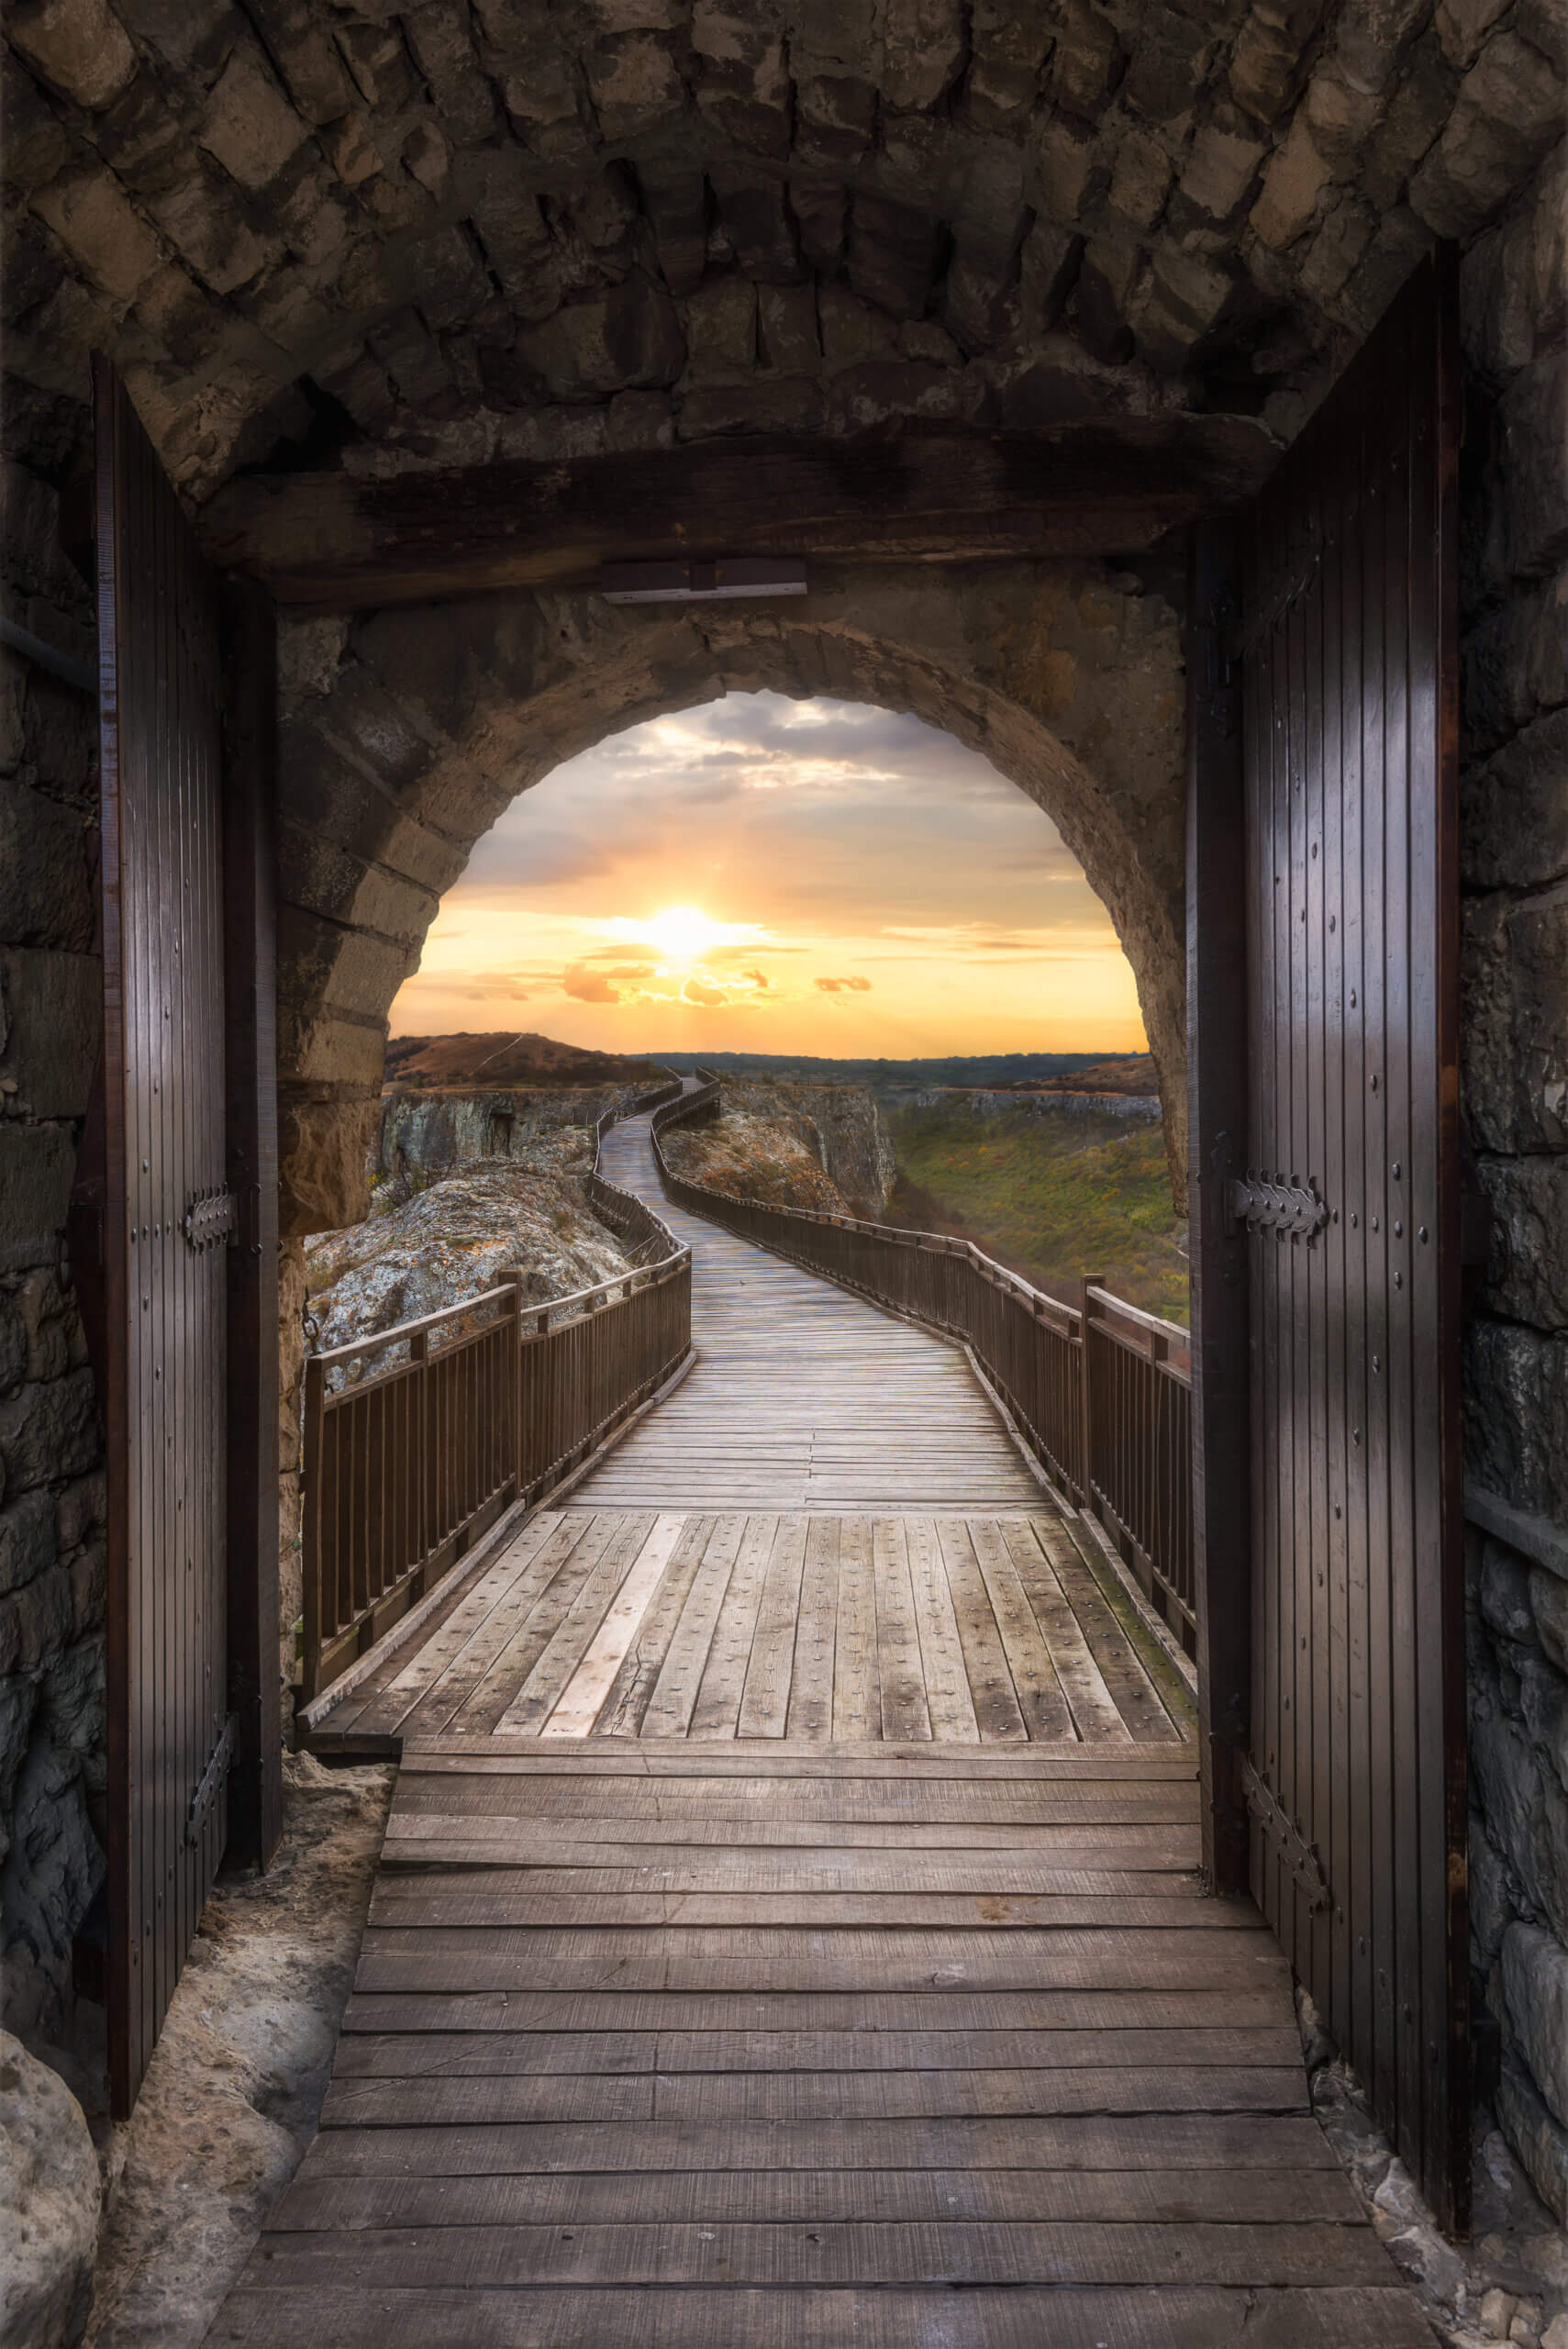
<point x="52" y="1589"/>
<point x="1514" y="820"/>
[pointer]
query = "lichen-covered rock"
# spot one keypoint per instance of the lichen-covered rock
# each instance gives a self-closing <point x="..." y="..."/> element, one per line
<point x="799" y="1145"/>
<point x="49" y="2198"/>
<point x="451" y="1242"/>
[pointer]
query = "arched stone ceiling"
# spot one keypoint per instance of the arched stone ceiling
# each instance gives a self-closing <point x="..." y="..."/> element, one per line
<point x="346" y="232"/>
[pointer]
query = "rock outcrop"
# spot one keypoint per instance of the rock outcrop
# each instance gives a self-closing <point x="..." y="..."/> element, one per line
<point x="451" y="1241"/>
<point x="796" y="1145"/>
<point x="422" y="1135"/>
<point x="49" y="2200"/>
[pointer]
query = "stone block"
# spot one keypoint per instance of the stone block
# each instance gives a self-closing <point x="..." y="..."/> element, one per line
<point x="767" y="404"/>
<point x="49" y="2204"/>
<point x="13" y="1342"/>
<point x="1068" y="155"/>
<point x="1536" y="2138"/>
<point x="786" y="319"/>
<point x="1534" y="434"/>
<point x="1107" y="278"/>
<point x="101" y="230"/>
<point x="36" y="1621"/>
<point x="1527" y="1278"/>
<point x="1491" y="1908"/>
<point x="1141" y="179"/>
<point x="1267" y="61"/>
<point x="923" y="45"/>
<point x="49" y="1430"/>
<point x="676" y="204"/>
<point x="33" y="146"/>
<point x="202" y="219"/>
<point x="322" y="1149"/>
<point x="851" y="332"/>
<point x="50" y="1325"/>
<point x="1086" y="62"/>
<point x="50" y="1020"/>
<point x="629" y="338"/>
<point x="719" y="322"/>
<point x="249" y="124"/>
<point x="1220" y="171"/>
<point x="45" y="876"/>
<point x="1370" y="38"/>
<point x="26" y="1538"/>
<point x="80" y="46"/>
<point x="38" y="1164"/>
<point x="759" y="224"/>
<point x="1464" y="25"/>
<point x="444" y="51"/>
<point x="1514" y="979"/>
<point x="860" y="398"/>
<point x="1505" y="1592"/>
<point x="1415" y="113"/>
<point x="1549" y="1605"/>
<point x="1187" y="298"/>
<point x="70" y="1693"/>
<point x="1292" y="185"/>
<point x="1507" y="115"/>
<point x="1516" y="1414"/>
<point x="634" y="84"/>
<point x="1535" y="1982"/>
<point x="305" y="57"/>
<point x="1341" y="117"/>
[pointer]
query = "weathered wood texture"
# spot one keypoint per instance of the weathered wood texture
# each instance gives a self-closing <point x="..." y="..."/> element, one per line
<point x="164" y="1392"/>
<point x="335" y="541"/>
<point x="1357" y="1713"/>
<point x="801" y="2131"/>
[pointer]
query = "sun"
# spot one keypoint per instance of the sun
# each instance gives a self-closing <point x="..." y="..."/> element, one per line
<point x="685" y="934"/>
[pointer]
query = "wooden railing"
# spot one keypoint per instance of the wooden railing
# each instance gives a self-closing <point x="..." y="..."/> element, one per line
<point x="418" y="1439"/>
<point x="1100" y="1392"/>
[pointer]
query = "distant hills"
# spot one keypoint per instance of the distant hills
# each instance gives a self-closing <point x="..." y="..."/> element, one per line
<point x="503" y="1060"/>
<point x="986" y="1072"/>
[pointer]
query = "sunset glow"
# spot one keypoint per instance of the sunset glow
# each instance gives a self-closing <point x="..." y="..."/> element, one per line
<point x="879" y="891"/>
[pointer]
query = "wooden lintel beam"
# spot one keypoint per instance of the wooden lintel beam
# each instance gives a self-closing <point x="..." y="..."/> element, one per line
<point x="337" y="542"/>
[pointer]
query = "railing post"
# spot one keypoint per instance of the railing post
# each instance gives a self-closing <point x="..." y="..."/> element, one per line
<point x="1086" y="1397"/>
<point x="310" y="1528"/>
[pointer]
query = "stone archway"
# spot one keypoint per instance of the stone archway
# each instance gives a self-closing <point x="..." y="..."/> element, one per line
<point x="407" y="732"/>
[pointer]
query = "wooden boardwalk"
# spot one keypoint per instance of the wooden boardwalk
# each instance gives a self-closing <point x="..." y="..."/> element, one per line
<point x="789" y="1936"/>
<point x="802" y="1397"/>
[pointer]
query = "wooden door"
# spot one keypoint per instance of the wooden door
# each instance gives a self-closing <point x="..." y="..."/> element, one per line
<point x="1348" y="1198"/>
<point x="167" y="1216"/>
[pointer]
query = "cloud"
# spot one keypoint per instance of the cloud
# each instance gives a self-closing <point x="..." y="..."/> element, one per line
<point x="837" y="986"/>
<point x="703" y="991"/>
<point x="584" y="985"/>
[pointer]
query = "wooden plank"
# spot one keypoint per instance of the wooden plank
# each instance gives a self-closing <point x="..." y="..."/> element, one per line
<point x="900" y="1670"/>
<point x="724" y="1675"/>
<point x="870" y="2011"/>
<point x="533" y="1702"/>
<point x="1122" y="2143"/>
<point x="1179" y="2317"/>
<point x="1230" y="2196"/>
<point x="431" y="1703"/>
<point x="1121" y="1666"/>
<point x="443" y="1839"/>
<point x="694" y="1957"/>
<point x="977" y="2251"/>
<point x="1029" y="1661"/>
<point x="578" y="1707"/>
<point x="631" y="1691"/>
<point x="408" y="1678"/>
<point x="997" y="1710"/>
<point x="674" y="1696"/>
<point x="672" y="1870"/>
<point x="764" y="1697"/>
<point x="948" y="1697"/>
<point x="810" y="1717"/>
<point x="1153" y="1912"/>
<point x="857" y="1708"/>
<point x="874" y="1760"/>
<point x="339" y="541"/>
<point x="1090" y="1702"/>
<point x="407" y="2055"/>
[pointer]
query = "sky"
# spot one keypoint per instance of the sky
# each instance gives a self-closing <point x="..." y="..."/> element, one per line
<point x="759" y="874"/>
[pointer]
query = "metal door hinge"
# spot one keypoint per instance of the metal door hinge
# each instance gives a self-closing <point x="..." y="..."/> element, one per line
<point x="1263" y="1205"/>
<point x="211" y="1218"/>
<point x="1289" y="1843"/>
<point x="213" y="1778"/>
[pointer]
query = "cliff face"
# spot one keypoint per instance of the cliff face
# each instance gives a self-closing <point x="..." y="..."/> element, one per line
<point x="425" y="1134"/>
<point x="451" y="1241"/>
<point x="795" y="1145"/>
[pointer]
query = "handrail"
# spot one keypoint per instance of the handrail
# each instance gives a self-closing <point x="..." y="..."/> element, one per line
<point x="405" y="1468"/>
<point x="1100" y="1392"/>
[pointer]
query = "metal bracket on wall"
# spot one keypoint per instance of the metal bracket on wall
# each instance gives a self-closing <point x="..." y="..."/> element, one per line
<point x="1284" y="1835"/>
<point x="210" y="1218"/>
<point x="211" y="1783"/>
<point x="1261" y="1205"/>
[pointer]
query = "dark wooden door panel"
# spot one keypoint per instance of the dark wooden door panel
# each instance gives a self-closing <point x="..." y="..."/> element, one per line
<point x="166" y="1217"/>
<point x="1349" y="1197"/>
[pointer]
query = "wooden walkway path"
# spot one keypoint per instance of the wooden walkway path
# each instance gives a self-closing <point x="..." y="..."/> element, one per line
<point x="789" y="1936"/>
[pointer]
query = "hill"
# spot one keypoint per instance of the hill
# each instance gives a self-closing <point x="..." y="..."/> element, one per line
<point x="500" y="1061"/>
<point x="984" y="1071"/>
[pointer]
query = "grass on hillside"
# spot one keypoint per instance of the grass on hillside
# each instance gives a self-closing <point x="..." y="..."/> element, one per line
<point x="1054" y="1198"/>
